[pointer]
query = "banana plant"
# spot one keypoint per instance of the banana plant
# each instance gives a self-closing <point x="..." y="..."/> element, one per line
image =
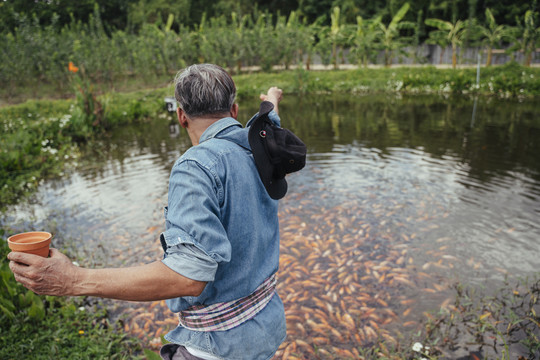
<point x="365" y="39"/>
<point x="492" y="35"/>
<point x="453" y="32"/>
<point x="336" y="30"/>
<point x="526" y="36"/>
<point x="390" y="39"/>
<point x="241" y="44"/>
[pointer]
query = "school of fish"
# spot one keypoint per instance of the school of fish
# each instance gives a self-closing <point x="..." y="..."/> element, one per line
<point x="348" y="280"/>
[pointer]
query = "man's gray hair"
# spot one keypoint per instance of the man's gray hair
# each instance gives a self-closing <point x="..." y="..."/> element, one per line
<point x="204" y="89"/>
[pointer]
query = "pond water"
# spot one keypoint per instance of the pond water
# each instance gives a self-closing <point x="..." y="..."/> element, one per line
<point x="400" y="198"/>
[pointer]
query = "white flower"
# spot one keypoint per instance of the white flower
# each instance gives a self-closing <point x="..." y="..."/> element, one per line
<point x="64" y="120"/>
<point x="417" y="347"/>
<point x="82" y="308"/>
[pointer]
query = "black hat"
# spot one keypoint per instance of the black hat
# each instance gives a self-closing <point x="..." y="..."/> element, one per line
<point x="277" y="152"/>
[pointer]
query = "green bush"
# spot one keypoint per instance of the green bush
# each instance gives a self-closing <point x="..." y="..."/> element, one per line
<point x="33" y="146"/>
<point x="39" y="138"/>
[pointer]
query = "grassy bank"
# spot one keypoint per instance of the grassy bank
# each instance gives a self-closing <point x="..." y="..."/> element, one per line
<point x="511" y="80"/>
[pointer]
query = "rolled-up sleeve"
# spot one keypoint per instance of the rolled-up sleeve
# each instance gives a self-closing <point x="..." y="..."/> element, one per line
<point x="191" y="262"/>
<point x="272" y="115"/>
<point x="194" y="241"/>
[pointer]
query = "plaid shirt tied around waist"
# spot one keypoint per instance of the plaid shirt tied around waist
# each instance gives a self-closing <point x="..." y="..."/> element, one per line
<point x="227" y="315"/>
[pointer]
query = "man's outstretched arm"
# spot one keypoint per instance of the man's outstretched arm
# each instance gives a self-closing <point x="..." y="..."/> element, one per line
<point x="58" y="276"/>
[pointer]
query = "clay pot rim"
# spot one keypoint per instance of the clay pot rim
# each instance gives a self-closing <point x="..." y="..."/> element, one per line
<point x="13" y="243"/>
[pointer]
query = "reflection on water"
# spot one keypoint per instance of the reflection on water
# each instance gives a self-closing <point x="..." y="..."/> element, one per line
<point x="400" y="196"/>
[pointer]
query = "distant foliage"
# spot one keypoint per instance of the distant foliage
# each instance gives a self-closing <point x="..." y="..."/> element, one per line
<point x="159" y="44"/>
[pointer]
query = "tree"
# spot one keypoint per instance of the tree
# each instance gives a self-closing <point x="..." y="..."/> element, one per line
<point x="492" y="34"/>
<point x="365" y="39"/>
<point x="453" y="32"/>
<point x="336" y="32"/>
<point x="526" y="36"/>
<point x="295" y="39"/>
<point x="391" y="41"/>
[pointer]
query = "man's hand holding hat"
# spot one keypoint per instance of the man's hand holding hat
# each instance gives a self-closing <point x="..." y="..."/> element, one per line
<point x="276" y="151"/>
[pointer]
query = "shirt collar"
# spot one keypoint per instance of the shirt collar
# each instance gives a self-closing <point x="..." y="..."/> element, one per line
<point x="217" y="127"/>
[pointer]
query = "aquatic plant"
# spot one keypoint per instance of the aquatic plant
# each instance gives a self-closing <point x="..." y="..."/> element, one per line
<point x="88" y="113"/>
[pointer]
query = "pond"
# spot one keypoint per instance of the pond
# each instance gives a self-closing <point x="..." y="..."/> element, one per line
<point x="401" y="197"/>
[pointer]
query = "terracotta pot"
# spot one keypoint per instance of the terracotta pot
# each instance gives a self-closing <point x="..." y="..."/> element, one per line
<point x="33" y="242"/>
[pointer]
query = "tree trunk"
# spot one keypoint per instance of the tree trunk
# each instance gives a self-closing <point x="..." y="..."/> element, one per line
<point x="387" y="58"/>
<point x="308" y="61"/>
<point x="489" y="56"/>
<point x="334" y="55"/>
<point x="454" y="56"/>
<point x="528" y="58"/>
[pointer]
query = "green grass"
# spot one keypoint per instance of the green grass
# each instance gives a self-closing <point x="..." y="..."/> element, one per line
<point x="511" y="80"/>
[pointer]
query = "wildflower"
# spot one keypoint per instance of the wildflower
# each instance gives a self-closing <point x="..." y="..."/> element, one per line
<point x="72" y="67"/>
<point x="64" y="120"/>
<point x="82" y="308"/>
<point x="417" y="347"/>
<point x="81" y="332"/>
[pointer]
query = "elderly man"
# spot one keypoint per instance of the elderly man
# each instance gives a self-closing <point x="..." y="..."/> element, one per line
<point x="221" y="241"/>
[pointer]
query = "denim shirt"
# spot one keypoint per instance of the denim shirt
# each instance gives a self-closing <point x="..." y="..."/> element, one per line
<point x="222" y="228"/>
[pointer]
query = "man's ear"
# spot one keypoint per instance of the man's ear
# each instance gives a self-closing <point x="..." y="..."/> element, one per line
<point x="182" y="118"/>
<point x="234" y="111"/>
